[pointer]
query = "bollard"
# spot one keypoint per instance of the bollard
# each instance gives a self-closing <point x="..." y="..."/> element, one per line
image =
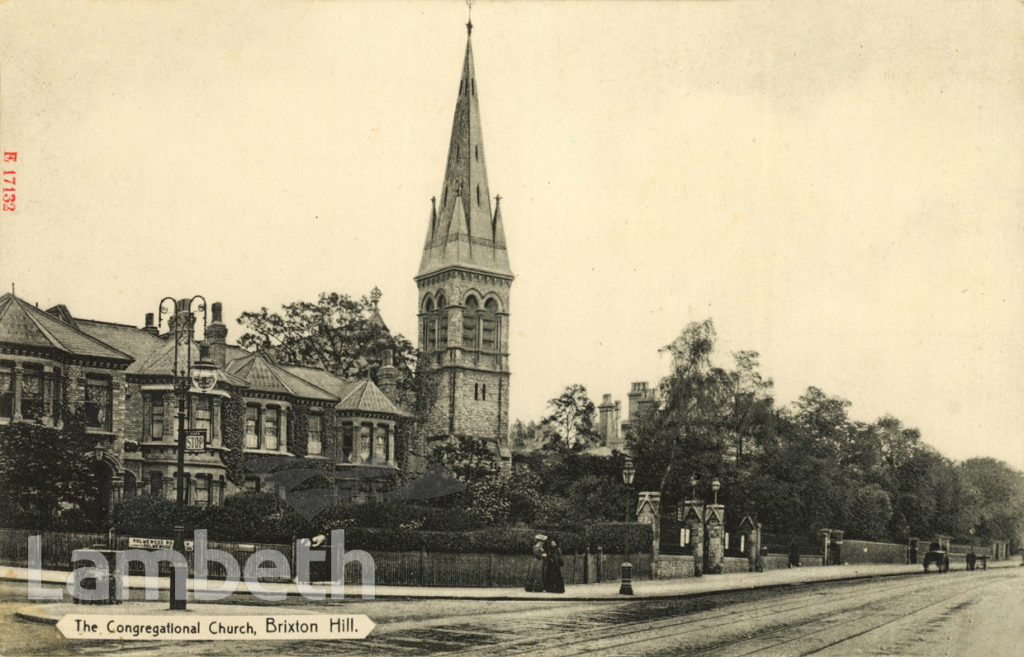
<point x="626" y="588"/>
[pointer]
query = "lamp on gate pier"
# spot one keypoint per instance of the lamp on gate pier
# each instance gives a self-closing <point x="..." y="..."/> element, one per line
<point x="628" y="473"/>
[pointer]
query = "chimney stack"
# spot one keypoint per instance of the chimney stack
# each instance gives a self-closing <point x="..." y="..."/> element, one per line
<point x="387" y="377"/>
<point x="150" y="327"/>
<point x="605" y="422"/>
<point x="216" y="335"/>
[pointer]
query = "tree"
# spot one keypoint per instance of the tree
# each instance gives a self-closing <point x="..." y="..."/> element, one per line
<point x="43" y="469"/>
<point x="337" y="333"/>
<point x="998" y="512"/>
<point x="688" y="433"/>
<point x="570" y="424"/>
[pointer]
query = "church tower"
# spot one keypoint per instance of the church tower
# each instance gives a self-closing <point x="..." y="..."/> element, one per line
<point x="464" y="281"/>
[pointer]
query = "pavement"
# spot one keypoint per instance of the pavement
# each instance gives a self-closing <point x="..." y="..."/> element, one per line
<point x="644" y="588"/>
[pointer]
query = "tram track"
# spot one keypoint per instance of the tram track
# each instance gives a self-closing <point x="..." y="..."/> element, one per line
<point x="605" y="633"/>
<point x="629" y="637"/>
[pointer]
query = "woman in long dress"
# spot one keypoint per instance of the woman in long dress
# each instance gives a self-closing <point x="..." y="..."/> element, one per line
<point x="553" y="582"/>
<point x="535" y="581"/>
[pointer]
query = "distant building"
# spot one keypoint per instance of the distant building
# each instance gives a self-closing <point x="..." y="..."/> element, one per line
<point x="611" y="427"/>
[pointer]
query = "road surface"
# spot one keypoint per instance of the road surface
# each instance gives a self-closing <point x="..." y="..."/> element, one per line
<point x="956" y="613"/>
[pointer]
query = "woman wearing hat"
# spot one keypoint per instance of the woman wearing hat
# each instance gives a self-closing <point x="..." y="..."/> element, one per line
<point x="535" y="582"/>
<point x="553" y="582"/>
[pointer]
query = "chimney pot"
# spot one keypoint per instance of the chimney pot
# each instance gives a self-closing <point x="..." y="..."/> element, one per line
<point x="217" y="312"/>
<point x="149" y="320"/>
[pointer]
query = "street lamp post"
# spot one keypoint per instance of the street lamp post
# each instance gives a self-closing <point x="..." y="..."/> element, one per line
<point x="628" y="473"/>
<point x="202" y="375"/>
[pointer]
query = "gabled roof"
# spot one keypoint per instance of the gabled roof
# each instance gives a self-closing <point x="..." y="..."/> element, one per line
<point x="24" y="324"/>
<point x="264" y="375"/>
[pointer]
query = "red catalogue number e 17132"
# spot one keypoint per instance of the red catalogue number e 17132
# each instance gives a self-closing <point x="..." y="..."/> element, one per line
<point x="9" y="181"/>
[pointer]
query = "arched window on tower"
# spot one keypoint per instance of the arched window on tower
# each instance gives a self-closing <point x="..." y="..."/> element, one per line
<point x="442" y="322"/>
<point x="429" y="325"/>
<point x="469" y="323"/>
<point x="489" y="327"/>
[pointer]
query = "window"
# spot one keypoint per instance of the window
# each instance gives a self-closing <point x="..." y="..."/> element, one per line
<point x="156" y="484"/>
<point x="489" y="324"/>
<point x="252" y="484"/>
<point x="347" y="440"/>
<point x="32" y="392"/>
<point x="430" y="325"/>
<point x="380" y="444"/>
<point x="271" y="428"/>
<point x="202" y="490"/>
<point x="469" y="323"/>
<point x="98" y="401"/>
<point x="478" y="195"/>
<point x="442" y="322"/>
<point x="156" y="419"/>
<point x="313" y="445"/>
<point x="476" y="152"/>
<point x="365" y="438"/>
<point x="6" y="389"/>
<point x="252" y="436"/>
<point x="483" y="392"/>
<point x="201" y="414"/>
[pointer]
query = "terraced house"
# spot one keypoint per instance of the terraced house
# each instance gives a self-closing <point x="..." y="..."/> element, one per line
<point x="121" y="376"/>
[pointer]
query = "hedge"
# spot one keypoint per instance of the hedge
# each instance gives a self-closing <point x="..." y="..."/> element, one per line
<point x="262" y="517"/>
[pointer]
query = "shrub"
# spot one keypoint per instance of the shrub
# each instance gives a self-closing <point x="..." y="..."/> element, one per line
<point x="154" y="517"/>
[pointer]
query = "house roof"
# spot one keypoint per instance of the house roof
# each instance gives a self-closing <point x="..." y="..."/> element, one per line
<point x="356" y="396"/>
<point x="365" y="396"/>
<point x="160" y="362"/>
<point x="263" y="374"/>
<point x="23" y="324"/>
<point x="139" y="344"/>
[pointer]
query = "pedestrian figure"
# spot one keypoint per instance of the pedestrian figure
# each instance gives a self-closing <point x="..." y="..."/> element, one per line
<point x="535" y="580"/>
<point x="794" y="555"/>
<point x="553" y="562"/>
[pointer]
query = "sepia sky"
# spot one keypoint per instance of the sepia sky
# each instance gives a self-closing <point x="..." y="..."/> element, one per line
<point x="839" y="186"/>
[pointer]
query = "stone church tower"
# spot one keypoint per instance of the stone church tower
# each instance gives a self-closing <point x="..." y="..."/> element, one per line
<point x="464" y="280"/>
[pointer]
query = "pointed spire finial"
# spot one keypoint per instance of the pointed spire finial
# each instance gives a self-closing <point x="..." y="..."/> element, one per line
<point x="469" y="25"/>
<point x="375" y="295"/>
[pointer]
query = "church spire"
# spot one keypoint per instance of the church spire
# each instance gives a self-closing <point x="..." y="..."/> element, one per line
<point x="465" y="231"/>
